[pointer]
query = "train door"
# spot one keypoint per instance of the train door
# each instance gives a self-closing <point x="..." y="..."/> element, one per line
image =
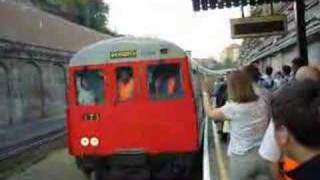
<point x="127" y="115"/>
<point x="89" y="105"/>
<point x="169" y="109"/>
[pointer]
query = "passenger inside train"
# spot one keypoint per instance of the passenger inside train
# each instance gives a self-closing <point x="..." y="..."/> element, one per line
<point x="164" y="81"/>
<point x="89" y="87"/>
<point x="125" y="83"/>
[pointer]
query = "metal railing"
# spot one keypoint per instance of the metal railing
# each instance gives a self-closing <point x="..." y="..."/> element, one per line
<point x="214" y="165"/>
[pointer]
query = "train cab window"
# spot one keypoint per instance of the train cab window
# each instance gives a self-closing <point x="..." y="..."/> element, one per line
<point x="90" y="87"/>
<point x="125" y="83"/>
<point x="165" y="81"/>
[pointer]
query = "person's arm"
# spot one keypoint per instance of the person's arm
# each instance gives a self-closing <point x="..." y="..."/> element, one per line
<point x="275" y="171"/>
<point x="211" y="111"/>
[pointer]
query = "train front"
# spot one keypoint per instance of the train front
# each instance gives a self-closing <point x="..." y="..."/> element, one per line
<point x="130" y="104"/>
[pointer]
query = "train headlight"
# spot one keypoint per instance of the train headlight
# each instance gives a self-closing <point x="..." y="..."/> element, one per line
<point x="84" y="141"/>
<point x="94" y="141"/>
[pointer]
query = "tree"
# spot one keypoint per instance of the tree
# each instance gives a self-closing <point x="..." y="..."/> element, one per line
<point x="93" y="14"/>
<point x="228" y="62"/>
<point x="89" y="13"/>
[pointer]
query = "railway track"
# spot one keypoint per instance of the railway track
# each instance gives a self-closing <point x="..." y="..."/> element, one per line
<point x="22" y="155"/>
<point x="14" y="150"/>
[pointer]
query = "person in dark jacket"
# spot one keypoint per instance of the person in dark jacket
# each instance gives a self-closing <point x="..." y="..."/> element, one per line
<point x="220" y="92"/>
<point x="296" y="116"/>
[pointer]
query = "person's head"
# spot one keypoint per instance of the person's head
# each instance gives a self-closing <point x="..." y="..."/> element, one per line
<point x="124" y="75"/>
<point x="286" y="70"/>
<point x="278" y="75"/>
<point x="296" y="64"/>
<point x="221" y="79"/>
<point x="253" y="72"/>
<point x="240" y="87"/>
<point x="317" y="67"/>
<point x="269" y="70"/>
<point x="307" y="73"/>
<point x="296" y="115"/>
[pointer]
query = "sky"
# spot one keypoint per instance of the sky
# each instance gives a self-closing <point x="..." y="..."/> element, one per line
<point x="205" y="33"/>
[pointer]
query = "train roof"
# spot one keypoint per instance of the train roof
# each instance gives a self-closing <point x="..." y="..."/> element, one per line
<point x="124" y="49"/>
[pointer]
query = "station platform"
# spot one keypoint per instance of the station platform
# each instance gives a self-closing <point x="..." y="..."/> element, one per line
<point x="215" y="159"/>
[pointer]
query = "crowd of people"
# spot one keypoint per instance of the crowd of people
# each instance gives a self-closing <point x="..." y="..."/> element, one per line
<point x="275" y="122"/>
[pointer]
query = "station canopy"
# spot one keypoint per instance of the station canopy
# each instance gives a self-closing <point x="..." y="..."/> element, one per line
<point x="221" y="4"/>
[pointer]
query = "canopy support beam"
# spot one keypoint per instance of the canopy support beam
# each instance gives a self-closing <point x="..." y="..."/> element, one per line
<point x="242" y="12"/>
<point x="302" y="41"/>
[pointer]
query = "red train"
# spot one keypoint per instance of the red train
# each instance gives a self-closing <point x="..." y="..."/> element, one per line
<point x="131" y="104"/>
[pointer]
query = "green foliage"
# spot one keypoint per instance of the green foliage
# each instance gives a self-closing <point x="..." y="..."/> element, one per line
<point x="227" y="63"/>
<point x="89" y="13"/>
<point x="93" y="14"/>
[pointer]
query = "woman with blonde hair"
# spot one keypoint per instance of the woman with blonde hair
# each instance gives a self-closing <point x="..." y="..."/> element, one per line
<point x="248" y="115"/>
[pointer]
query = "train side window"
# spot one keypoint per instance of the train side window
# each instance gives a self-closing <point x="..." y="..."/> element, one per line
<point x="125" y="83"/>
<point x="165" y="81"/>
<point x="89" y="85"/>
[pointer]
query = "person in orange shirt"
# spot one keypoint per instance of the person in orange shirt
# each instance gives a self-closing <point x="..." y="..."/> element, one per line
<point x="273" y="152"/>
<point x="166" y="84"/>
<point x="125" y="85"/>
<point x="297" y="130"/>
<point x="172" y="85"/>
<point x="304" y="73"/>
<point x="286" y="165"/>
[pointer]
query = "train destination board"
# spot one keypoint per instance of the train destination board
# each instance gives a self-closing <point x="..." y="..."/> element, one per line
<point x="123" y="54"/>
<point x="258" y="26"/>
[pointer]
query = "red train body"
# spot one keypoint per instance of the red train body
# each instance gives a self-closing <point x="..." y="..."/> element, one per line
<point x="100" y="124"/>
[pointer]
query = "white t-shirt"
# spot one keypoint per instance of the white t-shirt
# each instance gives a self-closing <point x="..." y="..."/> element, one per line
<point x="248" y="123"/>
<point x="86" y="97"/>
<point x="268" y="82"/>
<point x="262" y="92"/>
<point x="269" y="149"/>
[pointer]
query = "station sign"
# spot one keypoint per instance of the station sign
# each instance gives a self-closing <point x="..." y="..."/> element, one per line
<point x="251" y="27"/>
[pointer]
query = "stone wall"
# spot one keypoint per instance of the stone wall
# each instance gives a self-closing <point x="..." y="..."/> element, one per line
<point x="32" y="82"/>
<point x="35" y="48"/>
<point x="30" y="25"/>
